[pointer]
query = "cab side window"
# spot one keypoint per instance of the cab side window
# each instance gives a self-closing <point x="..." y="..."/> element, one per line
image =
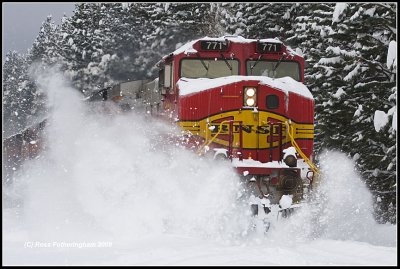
<point x="272" y="101"/>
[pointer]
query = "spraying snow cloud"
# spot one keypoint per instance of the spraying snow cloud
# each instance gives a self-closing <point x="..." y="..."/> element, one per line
<point x="120" y="178"/>
<point x="116" y="175"/>
<point x="340" y="209"/>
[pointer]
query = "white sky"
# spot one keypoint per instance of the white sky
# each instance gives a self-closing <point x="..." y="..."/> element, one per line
<point x="21" y="22"/>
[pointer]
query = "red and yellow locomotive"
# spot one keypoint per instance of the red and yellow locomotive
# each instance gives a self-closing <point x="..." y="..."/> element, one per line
<point x="243" y="100"/>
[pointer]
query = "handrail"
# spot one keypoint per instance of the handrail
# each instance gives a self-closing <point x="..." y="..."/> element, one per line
<point x="206" y="143"/>
<point x="296" y="146"/>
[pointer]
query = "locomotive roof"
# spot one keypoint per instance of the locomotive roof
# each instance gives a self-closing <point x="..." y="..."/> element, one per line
<point x="188" y="47"/>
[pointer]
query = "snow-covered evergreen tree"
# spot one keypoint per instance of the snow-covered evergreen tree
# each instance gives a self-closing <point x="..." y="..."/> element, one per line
<point x="261" y="20"/>
<point x="78" y="47"/>
<point x="310" y="38"/>
<point x="354" y="83"/>
<point x="170" y="25"/>
<point x="372" y="85"/>
<point x="44" y="48"/>
<point x="17" y="97"/>
<point x="350" y="49"/>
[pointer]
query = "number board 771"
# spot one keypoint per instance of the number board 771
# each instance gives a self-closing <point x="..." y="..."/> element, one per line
<point x="268" y="47"/>
<point x="211" y="45"/>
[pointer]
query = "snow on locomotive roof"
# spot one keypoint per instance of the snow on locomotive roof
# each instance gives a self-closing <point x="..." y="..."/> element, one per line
<point x="188" y="47"/>
<point x="286" y="84"/>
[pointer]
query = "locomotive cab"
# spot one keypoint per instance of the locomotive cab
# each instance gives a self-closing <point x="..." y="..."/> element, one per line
<point x="244" y="100"/>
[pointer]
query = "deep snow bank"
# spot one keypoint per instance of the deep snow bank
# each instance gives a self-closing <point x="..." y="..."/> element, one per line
<point x="116" y="175"/>
<point x="116" y="178"/>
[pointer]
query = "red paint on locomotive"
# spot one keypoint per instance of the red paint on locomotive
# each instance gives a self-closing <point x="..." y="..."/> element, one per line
<point x="200" y="105"/>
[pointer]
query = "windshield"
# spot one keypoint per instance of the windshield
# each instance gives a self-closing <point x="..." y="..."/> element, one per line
<point x="208" y="68"/>
<point x="266" y="68"/>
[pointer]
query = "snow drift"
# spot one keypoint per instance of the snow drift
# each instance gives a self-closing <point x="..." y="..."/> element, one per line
<point x="114" y="177"/>
<point x="115" y="174"/>
<point x="340" y="209"/>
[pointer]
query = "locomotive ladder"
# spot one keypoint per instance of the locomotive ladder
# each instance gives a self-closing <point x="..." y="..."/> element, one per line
<point x="271" y="139"/>
<point x="230" y="145"/>
<point x="290" y="131"/>
<point x="231" y="138"/>
<point x="230" y="135"/>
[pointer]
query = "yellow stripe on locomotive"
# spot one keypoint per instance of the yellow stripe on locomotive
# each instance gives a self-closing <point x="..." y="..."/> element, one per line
<point x="255" y="129"/>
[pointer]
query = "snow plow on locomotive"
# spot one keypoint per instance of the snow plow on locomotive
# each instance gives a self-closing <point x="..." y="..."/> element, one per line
<point x="242" y="100"/>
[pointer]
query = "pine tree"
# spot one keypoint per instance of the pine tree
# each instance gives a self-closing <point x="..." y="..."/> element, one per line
<point x="133" y="31"/>
<point x="17" y="97"/>
<point x="371" y="85"/>
<point x="351" y="84"/>
<point x="261" y="20"/>
<point x="345" y="46"/>
<point x="42" y="55"/>
<point x="79" y="48"/>
<point x="172" y="25"/>
<point x="44" y="48"/>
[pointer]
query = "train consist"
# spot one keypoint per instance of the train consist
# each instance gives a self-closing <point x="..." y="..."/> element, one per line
<point x="243" y="100"/>
<point x="22" y="146"/>
<point x="237" y="99"/>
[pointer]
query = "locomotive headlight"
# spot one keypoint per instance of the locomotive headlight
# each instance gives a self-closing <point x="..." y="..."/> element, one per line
<point x="250" y="92"/>
<point x="250" y="102"/>
<point x="250" y="96"/>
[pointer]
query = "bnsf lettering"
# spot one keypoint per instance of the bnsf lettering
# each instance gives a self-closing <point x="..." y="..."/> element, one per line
<point x="263" y="129"/>
<point x="236" y="128"/>
<point x="246" y="128"/>
<point x="225" y="128"/>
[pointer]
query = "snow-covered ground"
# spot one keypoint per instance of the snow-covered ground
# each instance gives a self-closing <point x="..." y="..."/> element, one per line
<point x="190" y="250"/>
<point x="111" y="190"/>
